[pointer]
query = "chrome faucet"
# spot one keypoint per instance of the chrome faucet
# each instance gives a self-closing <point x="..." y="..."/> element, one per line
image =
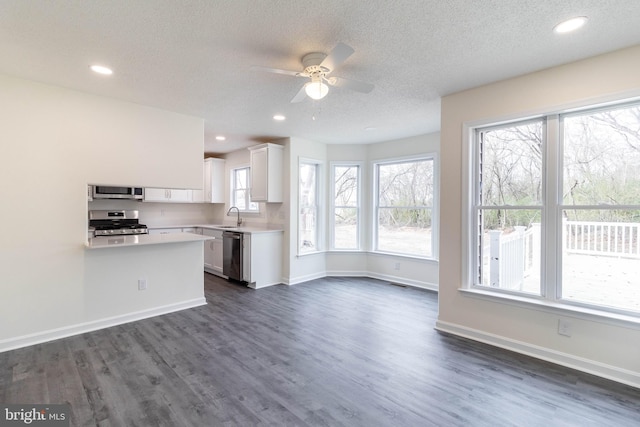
<point x="238" y="210"/>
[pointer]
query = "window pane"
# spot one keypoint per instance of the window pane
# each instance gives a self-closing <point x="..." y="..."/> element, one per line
<point x="406" y="184"/>
<point x="601" y="153"/>
<point x="601" y="257"/>
<point x="308" y="216"/>
<point x="307" y="185"/>
<point x="346" y="228"/>
<point x="511" y="165"/>
<point x="510" y="249"/>
<point x="240" y="200"/>
<point x="307" y="229"/>
<point x="241" y="178"/>
<point x="406" y="231"/>
<point x="346" y="185"/>
<point x="240" y="191"/>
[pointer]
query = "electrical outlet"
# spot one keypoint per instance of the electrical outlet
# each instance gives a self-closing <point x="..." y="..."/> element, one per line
<point x="396" y="266"/>
<point x="161" y="212"/>
<point x="142" y="284"/>
<point x="564" y="327"/>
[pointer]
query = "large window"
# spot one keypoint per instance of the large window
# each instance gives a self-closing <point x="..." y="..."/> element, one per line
<point x="345" y="207"/>
<point x="556" y="208"/>
<point x="508" y="209"/>
<point x="404" y="200"/>
<point x="240" y="190"/>
<point x="308" y="219"/>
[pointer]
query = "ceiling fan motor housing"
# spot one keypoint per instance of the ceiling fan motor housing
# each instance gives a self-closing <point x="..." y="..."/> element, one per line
<point x="311" y="63"/>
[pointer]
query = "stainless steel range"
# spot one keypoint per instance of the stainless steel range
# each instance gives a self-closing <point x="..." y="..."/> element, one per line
<point x="115" y="223"/>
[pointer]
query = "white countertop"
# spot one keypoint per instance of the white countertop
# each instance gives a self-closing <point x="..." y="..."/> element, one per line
<point x="143" y="239"/>
<point x="243" y="229"/>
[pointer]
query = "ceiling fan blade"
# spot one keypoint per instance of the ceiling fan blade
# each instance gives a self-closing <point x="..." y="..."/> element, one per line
<point x="337" y="56"/>
<point x="276" y="71"/>
<point x="356" y="85"/>
<point x="300" y="96"/>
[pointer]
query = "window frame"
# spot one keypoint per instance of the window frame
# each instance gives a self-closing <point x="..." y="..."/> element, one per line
<point x="375" y="198"/>
<point x="553" y="206"/>
<point x="477" y="206"/>
<point x="333" y="206"/>
<point x="233" y="189"/>
<point x="319" y="216"/>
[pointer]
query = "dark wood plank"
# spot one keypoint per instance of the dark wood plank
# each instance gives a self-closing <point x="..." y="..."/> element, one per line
<point x="331" y="352"/>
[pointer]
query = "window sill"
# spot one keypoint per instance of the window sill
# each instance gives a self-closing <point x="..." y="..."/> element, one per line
<point x="305" y="254"/>
<point x="556" y="308"/>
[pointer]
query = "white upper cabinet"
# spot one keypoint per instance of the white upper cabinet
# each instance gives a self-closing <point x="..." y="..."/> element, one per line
<point x="213" y="180"/>
<point x="167" y="195"/>
<point x="267" y="161"/>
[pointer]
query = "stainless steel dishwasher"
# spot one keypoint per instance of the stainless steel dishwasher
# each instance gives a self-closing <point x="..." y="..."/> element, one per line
<point x="232" y="255"/>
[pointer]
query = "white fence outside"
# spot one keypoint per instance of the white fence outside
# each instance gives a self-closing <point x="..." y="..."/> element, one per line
<point x="618" y="239"/>
<point x="513" y="256"/>
<point x="516" y="255"/>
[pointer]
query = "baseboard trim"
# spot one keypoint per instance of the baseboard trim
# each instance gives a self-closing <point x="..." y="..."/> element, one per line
<point x="404" y="281"/>
<point x="599" y="369"/>
<point x="67" y="331"/>
<point x="302" y="279"/>
<point x="385" y="277"/>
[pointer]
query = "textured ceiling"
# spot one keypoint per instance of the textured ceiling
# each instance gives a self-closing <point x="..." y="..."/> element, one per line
<point x="195" y="57"/>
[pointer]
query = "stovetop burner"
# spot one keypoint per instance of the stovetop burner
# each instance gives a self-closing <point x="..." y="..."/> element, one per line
<point x="110" y="223"/>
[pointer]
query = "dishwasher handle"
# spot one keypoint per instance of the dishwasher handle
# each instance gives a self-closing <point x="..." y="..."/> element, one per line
<point x="232" y="235"/>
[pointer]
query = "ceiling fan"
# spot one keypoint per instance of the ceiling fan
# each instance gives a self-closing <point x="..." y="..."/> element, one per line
<point x="317" y="67"/>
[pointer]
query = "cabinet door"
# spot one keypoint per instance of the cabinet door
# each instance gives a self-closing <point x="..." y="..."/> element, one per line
<point x="179" y="196"/>
<point x="197" y="196"/>
<point x="213" y="251"/>
<point x="214" y="180"/>
<point x="217" y="255"/>
<point x="217" y="181"/>
<point x="155" y="195"/>
<point x="259" y="179"/>
<point x="208" y="254"/>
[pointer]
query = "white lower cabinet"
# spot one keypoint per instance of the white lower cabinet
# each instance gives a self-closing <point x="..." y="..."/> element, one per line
<point x="262" y="259"/>
<point x="213" y="252"/>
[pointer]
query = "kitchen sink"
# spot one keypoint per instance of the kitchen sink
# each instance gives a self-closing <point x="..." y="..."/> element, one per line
<point x="225" y="226"/>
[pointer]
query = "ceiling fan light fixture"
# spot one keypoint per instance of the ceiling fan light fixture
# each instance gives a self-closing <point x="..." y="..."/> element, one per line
<point x="316" y="89"/>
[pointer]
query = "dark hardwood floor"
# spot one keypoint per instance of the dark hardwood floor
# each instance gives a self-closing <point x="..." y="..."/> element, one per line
<point x="331" y="352"/>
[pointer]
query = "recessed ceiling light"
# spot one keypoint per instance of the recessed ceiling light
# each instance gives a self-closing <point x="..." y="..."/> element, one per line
<point x="220" y="138"/>
<point x="370" y="128"/>
<point x="279" y="117"/>
<point x="100" y="69"/>
<point x="570" y="24"/>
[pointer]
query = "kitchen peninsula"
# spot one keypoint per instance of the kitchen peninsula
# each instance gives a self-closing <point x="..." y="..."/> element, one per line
<point x="143" y="239"/>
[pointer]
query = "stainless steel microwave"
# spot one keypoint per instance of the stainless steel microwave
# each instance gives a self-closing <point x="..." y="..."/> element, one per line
<point x="109" y="192"/>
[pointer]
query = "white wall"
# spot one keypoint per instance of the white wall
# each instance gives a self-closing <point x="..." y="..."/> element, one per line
<point x="54" y="142"/>
<point x="606" y="348"/>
